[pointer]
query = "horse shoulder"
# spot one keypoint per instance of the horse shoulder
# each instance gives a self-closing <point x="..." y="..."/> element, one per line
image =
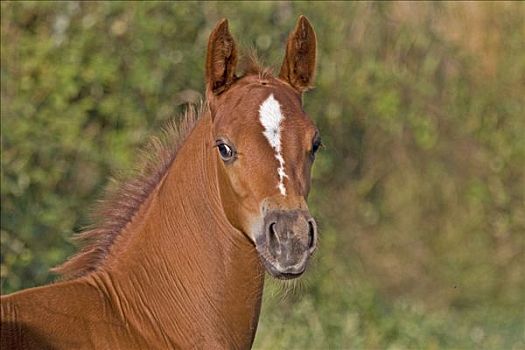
<point x="66" y="315"/>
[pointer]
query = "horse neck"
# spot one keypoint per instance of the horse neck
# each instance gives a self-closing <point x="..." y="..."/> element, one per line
<point x="180" y="267"/>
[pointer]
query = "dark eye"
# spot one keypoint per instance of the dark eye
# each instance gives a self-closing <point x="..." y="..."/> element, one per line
<point x="316" y="145"/>
<point x="225" y="151"/>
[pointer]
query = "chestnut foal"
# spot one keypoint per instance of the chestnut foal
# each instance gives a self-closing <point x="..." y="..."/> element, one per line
<point x="178" y="260"/>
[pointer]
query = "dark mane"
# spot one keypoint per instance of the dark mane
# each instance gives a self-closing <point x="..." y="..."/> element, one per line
<point x="124" y="198"/>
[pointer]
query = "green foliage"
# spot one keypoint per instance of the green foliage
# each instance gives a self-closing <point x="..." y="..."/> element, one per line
<point x="419" y="191"/>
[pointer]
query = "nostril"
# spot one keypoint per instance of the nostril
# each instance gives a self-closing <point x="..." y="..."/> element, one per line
<point x="272" y="229"/>
<point x="312" y="233"/>
<point x="273" y="239"/>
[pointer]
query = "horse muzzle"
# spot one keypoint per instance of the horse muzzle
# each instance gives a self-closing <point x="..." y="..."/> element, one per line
<point x="288" y="239"/>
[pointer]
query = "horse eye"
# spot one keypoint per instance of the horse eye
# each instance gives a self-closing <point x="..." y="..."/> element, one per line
<point x="225" y="151"/>
<point x="316" y="145"/>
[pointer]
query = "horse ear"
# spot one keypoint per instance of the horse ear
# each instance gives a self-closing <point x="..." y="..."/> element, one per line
<point x="221" y="59"/>
<point x="298" y="67"/>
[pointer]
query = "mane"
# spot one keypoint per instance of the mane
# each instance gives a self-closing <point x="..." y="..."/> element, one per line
<point x="251" y="65"/>
<point x="124" y="198"/>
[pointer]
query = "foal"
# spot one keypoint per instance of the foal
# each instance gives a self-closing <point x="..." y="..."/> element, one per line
<point x="178" y="260"/>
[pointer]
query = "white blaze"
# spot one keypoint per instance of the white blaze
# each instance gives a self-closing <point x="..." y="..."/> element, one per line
<point x="271" y="118"/>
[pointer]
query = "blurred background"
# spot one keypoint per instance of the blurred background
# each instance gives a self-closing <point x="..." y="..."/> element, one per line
<point x="419" y="191"/>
